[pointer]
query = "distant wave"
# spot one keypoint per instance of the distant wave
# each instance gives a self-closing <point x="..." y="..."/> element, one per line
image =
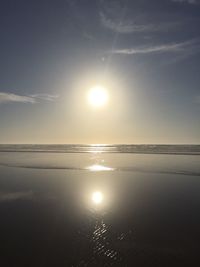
<point x="121" y="169"/>
<point x="138" y="149"/>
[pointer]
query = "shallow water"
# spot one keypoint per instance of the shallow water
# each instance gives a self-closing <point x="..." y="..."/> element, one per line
<point x="149" y="215"/>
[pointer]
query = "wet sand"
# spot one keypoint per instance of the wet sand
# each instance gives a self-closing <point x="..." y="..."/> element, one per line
<point x="149" y="215"/>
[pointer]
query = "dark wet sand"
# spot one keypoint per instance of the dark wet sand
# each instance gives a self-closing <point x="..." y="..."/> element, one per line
<point x="146" y="219"/>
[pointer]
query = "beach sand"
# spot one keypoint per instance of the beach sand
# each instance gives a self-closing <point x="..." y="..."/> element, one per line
<point x="149" y="215"/>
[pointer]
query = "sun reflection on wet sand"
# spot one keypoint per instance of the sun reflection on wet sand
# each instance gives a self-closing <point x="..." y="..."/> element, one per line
<point x="97" y="197"/>
<point x="102" y="247"/>
<point x="102" y="237"/>
<point x="98" y="168"/>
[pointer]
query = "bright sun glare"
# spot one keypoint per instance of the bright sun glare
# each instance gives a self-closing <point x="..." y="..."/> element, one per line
<point x="98" y="96"/>
<point x="99" y="168"/>
<point x="97" y="197"/>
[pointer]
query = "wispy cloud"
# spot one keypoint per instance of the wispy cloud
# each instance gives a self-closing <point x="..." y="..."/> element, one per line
<point x="13" y="98"/>
<point x="46" y="97"/>
<point x="125" y="27"/>
<point x="188" y="46"/>
<point x="8" y="97"/>
<point x="12" y="196"/>
<point x="127" y="19"/>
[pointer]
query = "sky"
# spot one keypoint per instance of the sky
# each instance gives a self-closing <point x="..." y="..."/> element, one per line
<point x="145" y="53"/>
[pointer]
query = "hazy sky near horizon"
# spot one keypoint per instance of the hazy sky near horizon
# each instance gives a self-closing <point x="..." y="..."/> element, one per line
<point x="146" y="53"/>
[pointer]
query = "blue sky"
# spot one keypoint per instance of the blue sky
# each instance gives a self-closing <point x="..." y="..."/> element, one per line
<point x="147" y="53"/>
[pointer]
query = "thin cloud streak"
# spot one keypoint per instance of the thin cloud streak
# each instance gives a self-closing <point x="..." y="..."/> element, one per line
<point x="8" y="97"/>
<point x="13" y="98"/>
<point x="122" y="27"/>
<point x="129" y="27"/>
<point x="46" y="97"/>
<point x="165" y="48"/>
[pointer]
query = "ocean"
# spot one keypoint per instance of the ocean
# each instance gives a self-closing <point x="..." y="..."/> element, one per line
<point x="99" y="205"/>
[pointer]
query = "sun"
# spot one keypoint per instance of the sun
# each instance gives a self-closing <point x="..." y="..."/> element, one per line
<point x="98" y="96"/>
